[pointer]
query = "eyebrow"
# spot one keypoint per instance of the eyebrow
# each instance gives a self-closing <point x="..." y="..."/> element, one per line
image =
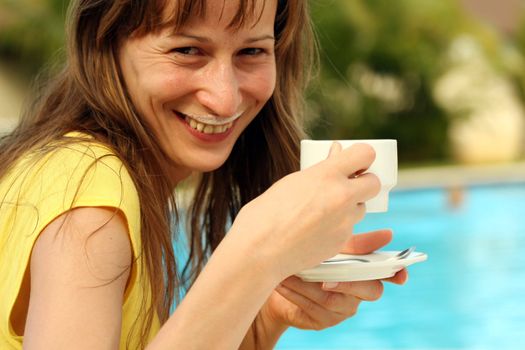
<point x="207" y="40"/>
<point x="260" y="38"/>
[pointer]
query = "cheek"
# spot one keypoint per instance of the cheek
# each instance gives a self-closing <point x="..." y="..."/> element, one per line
<point x="147" y="96"/>
<point x="262" y="85"/>
<point x="159" y="83"/>
<point x="153" y="90"/>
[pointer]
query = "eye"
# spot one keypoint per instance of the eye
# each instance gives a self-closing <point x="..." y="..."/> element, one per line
<point x="187" y="50"/>
<point x="252" y="51"/>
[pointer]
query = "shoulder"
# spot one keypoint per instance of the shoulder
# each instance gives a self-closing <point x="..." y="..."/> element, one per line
<point x="73" y="172"/>
<point x="80" y="169"/>
<point x="75" y="153"/>
<point x="96" y="237"/>
<point x="79" y="153"/>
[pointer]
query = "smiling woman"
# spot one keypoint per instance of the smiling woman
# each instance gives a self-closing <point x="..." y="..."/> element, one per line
<point x="201" y="85"/>
<point x="152" y="92"/>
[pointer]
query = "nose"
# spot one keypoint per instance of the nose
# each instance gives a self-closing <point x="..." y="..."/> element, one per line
<point x="220" y="92"/>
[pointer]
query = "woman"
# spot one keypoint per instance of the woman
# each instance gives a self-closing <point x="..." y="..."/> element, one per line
<point x="152" y="92"/>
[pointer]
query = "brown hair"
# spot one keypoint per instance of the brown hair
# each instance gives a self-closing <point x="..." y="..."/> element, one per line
<point x="89" y="95"/>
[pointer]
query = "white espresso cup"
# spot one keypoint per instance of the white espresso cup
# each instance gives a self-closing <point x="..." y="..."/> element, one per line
<point x="384" y="166"/>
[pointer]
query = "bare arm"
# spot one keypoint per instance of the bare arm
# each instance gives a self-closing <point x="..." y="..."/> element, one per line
<point x="77" y="282"/>
<point x="224" y="300"/>
<point x="79" y="269"/>
<point x="265" y="333"/>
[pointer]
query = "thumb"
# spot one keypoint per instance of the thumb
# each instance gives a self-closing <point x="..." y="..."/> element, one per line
<point x="367" y="242"/>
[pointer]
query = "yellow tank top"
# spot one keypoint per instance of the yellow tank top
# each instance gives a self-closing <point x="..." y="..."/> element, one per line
<point x="41" y="187"/>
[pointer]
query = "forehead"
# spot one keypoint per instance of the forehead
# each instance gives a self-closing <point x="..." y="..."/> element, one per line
<point x="233" y="14"/>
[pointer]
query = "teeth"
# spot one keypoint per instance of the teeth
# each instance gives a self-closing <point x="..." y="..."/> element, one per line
<point x="206" y="128"/>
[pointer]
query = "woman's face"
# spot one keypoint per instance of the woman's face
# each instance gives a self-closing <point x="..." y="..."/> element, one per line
<point x="201" y="86"/>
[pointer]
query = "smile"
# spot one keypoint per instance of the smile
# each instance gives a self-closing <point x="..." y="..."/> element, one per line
<point x="211" y="125"/>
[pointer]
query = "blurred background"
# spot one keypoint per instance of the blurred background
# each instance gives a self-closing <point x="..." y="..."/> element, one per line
<point x="443" y="77"/>
<point x="446" y="78"/>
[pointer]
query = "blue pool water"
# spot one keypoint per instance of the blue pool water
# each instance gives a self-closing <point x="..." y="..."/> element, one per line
<point x="469" y="294"/>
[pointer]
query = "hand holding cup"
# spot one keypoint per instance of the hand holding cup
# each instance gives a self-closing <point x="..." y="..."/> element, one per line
<point x="384" y="165"/>
<point x="308" y="216"/>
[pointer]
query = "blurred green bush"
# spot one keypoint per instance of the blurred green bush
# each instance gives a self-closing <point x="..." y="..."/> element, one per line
<point x="379" y="62"/>
<point x="31" y="32"/>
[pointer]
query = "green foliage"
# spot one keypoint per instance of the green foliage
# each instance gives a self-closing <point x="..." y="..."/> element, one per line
<point x="31" y="32"/>
<point x="380" y="59"/>
<point x="517" y="65"/>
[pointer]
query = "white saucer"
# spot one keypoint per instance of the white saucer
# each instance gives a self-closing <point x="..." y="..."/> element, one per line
<point x="338" y="269"/>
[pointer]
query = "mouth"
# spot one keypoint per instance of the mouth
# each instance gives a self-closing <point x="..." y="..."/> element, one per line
<point x="211" y="127"/>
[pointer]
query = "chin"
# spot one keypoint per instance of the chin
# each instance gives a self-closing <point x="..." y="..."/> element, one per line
<point x="209" y="165"/>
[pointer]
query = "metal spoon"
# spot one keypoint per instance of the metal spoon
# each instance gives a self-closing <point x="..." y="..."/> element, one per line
<point x="403" y="254"/>
<point x="331" y="261"/>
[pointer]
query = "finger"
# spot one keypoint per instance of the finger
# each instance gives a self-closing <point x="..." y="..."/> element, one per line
<point x="354" y="159"/>
<point x="365" y="187"/>
<point x="335" y="302"/>
<point x="307" y="289"/>
<point x="334" y="149"/>
<point x="332" y="300"/>
<point x="364" y="290"/>
<point x="318" y="316"/>
<point x="366" y="243"/>
<point x="401" y="277"/>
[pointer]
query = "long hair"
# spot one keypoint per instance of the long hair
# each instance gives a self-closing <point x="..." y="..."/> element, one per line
<point x="89" y="95"/>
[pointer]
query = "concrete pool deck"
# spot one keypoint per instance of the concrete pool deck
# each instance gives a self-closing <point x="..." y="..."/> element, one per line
<point x="460" y="175"/>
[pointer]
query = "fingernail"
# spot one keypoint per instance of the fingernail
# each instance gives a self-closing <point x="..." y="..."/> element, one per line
<point x="330" y="285"/>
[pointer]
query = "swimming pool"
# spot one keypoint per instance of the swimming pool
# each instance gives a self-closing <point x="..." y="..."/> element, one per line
<point x="469" y="294"/>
